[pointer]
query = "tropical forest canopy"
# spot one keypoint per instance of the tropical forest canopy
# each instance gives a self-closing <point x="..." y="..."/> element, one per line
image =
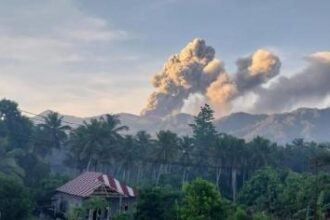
<point x="208" y="175"/>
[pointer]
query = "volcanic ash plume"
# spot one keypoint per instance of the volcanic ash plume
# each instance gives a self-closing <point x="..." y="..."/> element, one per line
<point x="256" y="69"/>
<point x="191" y="71"/>
<point x="194" y="76"/>
<point x="220" y="93"/>
<point x="309" y="87"/>
<point x="252" y="72"/>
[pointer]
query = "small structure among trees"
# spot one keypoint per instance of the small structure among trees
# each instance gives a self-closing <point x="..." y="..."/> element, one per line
<point x="93" y="196"/>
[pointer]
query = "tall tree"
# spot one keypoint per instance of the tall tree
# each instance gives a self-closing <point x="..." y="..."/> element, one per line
<point x="128" y="155"/>
<point x="204" y="131"/>
<point x="88" y="143"/>
<point x="218" y="152"/>
<point x="113" y="127"/>
<point x="145" y="145"/>
<point x="167" y="146"/>
<point x="8" y="160"/>
<point x="261" y="153"/>
<point x="235" y="151"/>
<point x="96" y="142"/>
<point x="186" y="150"/>
<point x="204" y="134"/>
<point x="54" y="129"/>
<point x="14" y="126"/>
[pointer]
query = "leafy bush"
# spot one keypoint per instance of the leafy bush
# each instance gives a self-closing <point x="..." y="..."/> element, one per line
<point x="15" y="202"/>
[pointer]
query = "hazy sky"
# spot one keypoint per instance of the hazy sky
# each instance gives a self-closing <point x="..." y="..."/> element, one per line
<point x="87" y="57"/>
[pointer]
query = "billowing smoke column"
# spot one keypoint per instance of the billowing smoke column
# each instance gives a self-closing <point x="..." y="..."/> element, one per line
<point x="194" y="75"/>
<point x="252" y="72"/>
<point x="220" y="93"/>
<point x="190" y="71"/>
<point x="256" y="69"/>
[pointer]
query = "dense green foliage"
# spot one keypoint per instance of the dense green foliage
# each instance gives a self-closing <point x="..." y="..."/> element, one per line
<point x="208" y="175"/>
<point x="15" y="201"/>
<point x="157" y="203"/>
<point x="201" y="202"/>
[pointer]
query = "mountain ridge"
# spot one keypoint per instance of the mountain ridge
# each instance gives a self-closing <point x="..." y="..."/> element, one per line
<point x="312" y="124"/>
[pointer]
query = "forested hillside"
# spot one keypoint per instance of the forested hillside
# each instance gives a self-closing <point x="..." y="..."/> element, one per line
<point x="307" y="123"/>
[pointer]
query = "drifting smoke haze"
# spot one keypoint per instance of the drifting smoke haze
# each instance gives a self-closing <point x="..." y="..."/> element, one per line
<point x="194" y="77"/>
<point x="312" y="85"/>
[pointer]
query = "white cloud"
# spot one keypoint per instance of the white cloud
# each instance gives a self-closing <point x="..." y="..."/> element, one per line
<point x="90" y="29"/>
<point x="49" y="59"/>
<point x="36" y="49"/>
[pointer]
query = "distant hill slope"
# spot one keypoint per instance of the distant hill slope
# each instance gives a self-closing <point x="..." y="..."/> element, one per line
<point x="310" y="124"/>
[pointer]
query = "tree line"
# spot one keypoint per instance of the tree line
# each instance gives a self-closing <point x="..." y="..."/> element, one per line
<point x="241" y="171"/>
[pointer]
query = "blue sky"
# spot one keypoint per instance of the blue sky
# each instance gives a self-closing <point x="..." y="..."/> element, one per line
<point x="88" y="57"/>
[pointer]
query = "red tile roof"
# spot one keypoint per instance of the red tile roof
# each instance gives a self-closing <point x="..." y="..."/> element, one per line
<point x="85" y="184"/>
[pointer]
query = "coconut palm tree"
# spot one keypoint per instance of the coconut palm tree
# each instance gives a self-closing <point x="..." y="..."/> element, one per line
<point x="234" y="153"/>
<point x="113" y="139"/>
<point x="98" y="141"/>
<point x="113" y="127"/>
<point x="186" y="147"/>
<point x="261" y="151"/>
<point x="54" y="129"/>
<point x="218" y="152"/>
<point x="88" y="141"/>
<point x="144" y="145"/>
<point x="128" y="156"/>
<point x="167" y="146"/>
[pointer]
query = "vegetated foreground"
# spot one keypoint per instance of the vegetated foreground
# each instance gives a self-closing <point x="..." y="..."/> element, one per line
<point x="208" y="175"/>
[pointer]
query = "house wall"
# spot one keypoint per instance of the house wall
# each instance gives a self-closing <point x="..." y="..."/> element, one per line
<point x="117" y="206"/>
<point x="63" y="202"/>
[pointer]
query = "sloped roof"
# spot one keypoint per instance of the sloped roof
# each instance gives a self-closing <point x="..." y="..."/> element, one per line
<point x="85" y="184"/>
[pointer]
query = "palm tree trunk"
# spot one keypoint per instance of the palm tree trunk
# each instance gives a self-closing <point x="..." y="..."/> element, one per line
<point x="124" y="174"/>
<point x="139" y="174"/>
<point x="183" y="177"/>
<point x="219" y="170"/>
<point x="89" y="163"/>
<point x="165" y="168"/>
<point x="141" y="177"/>
<point x="154" y="174"/>
<point x="116" y="170"/>
<point x="244" y="176"/>
<point x="128" y="175"/>
<point x="234" y="183"/>
<point x="159" y="173"/>
<point x="96" y="165"/>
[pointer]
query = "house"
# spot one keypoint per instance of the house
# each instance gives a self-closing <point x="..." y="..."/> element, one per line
<point x="119" y="196"/>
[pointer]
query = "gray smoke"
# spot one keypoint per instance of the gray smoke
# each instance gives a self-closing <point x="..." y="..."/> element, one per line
<point x="253" y="71"/>
<point x="194" y="76"/>
<point x="256" y="69"/>
<point x="311" y="85"/>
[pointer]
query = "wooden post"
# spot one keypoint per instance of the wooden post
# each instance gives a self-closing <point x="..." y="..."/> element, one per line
<point x="90" y="214"/>
<point x="120" y="203"/>
<point x="108" y="212"/>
